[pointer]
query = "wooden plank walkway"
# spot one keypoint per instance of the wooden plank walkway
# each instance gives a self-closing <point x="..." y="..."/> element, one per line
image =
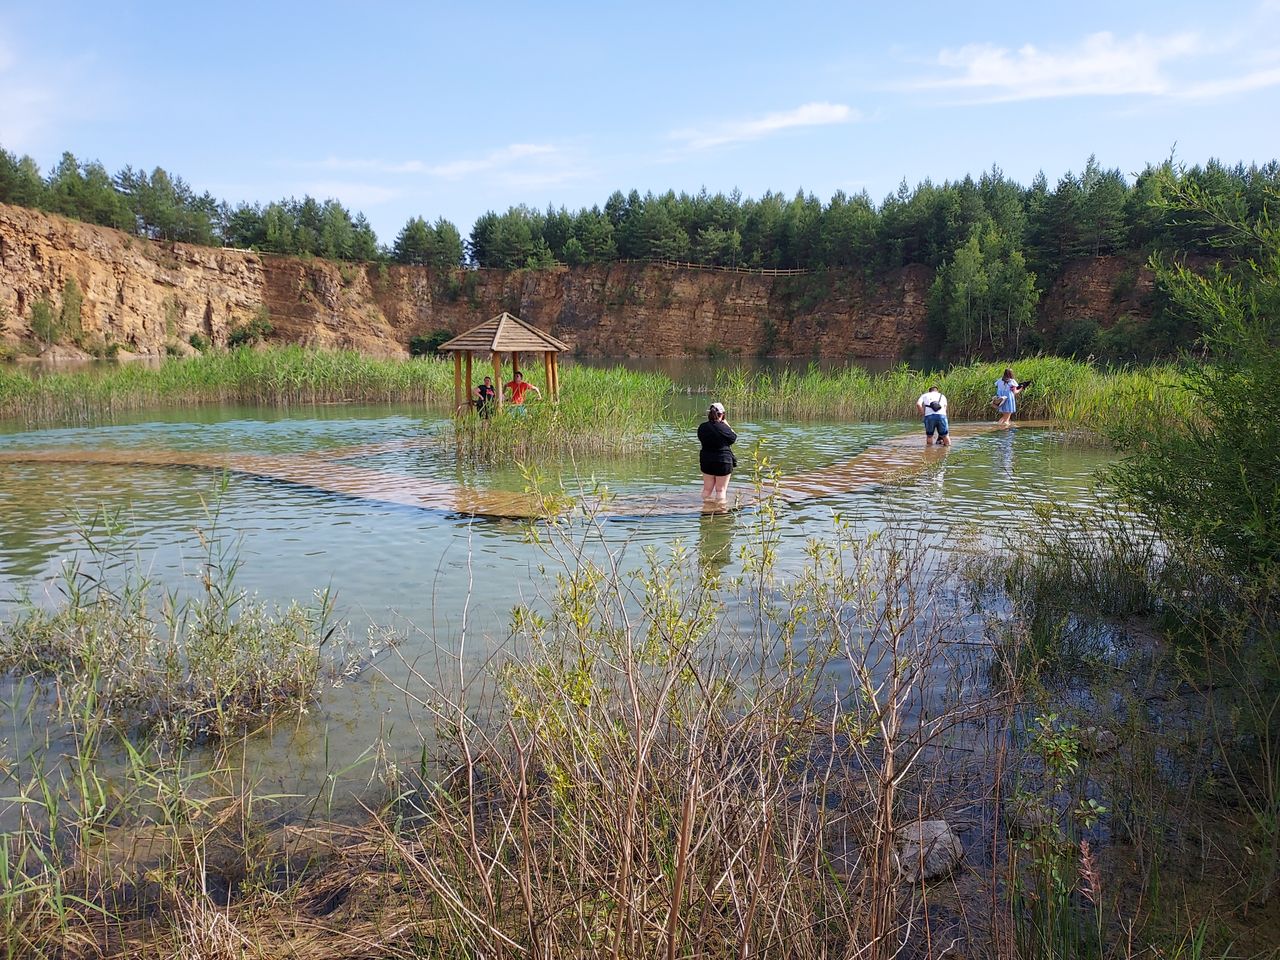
<point x="325" y="471"/>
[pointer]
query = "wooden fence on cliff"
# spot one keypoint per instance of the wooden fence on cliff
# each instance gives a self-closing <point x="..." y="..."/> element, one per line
<point x="721" y="268"/>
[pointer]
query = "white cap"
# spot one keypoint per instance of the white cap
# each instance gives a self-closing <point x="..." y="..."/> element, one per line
<point x="718" y="407"/>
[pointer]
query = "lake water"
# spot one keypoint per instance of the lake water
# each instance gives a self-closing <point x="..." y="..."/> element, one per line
<point x="413" y="569"/>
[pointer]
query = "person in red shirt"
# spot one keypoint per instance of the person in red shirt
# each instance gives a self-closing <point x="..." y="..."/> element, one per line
<point x="518" y="387"/>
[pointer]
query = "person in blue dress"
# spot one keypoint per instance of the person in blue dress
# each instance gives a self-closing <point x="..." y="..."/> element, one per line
<point x="1007" y="391"/>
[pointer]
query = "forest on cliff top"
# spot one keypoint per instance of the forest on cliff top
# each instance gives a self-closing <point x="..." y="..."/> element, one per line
<point x="994" y="244"/>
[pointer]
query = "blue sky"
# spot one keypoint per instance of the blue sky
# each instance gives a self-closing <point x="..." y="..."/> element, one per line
<point x="404" y="109"/>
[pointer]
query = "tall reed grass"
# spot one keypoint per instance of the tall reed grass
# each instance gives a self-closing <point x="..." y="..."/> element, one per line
<point x="276" y="376"/>
<point x="613" y="411"/>
<point x="1078" y="395"/>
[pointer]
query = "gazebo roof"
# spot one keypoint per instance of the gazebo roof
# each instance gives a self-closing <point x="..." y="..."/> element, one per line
<point x="504" y="334"/>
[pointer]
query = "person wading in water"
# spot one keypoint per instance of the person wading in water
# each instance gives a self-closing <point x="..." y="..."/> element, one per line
<point x="716" y="459"/>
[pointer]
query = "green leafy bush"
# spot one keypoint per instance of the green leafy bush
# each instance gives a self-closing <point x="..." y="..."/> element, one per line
<point x="43" y="323"/>
<point x="1213" y="480"/>
<point x="255" y="331"/>
<point x="428" y="345"/>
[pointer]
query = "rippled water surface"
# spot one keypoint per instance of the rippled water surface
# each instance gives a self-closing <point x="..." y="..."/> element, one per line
<point x="415" y="569"/>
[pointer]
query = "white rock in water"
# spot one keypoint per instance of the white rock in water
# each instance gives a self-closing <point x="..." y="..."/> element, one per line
<point x="930" y="848"/>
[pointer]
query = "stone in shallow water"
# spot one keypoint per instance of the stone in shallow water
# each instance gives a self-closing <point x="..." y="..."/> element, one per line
<point x="930" y="849"/>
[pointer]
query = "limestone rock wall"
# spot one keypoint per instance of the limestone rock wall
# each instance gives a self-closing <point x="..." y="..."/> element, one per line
<point x="146" y="296"/>
<point x="1102" y="289"/>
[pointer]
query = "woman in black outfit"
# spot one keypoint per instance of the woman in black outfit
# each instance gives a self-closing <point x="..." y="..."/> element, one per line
<point x="716" y="459"/>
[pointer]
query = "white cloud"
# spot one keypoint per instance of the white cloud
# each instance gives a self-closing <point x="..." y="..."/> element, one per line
<point x="504" y="157"/>
<point x="1257" y="80"/>
<point x="739" y="131"/>
<point x="501" y="158"/>
<point x="351" y="194"/>
<point x="1100" y="65"/>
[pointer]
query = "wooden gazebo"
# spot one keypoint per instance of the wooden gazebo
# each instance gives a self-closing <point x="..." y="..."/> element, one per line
<point x="502" y="334"/>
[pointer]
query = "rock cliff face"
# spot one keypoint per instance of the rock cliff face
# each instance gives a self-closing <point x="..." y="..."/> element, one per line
<point x="147" y="296"/>
<point x="1103" y="289"/>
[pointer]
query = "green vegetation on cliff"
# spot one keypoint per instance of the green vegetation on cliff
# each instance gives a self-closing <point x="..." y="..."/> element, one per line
<point x="994" y="244"/>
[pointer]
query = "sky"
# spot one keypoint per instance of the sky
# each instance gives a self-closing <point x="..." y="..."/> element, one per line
<point x="449" y="110"/>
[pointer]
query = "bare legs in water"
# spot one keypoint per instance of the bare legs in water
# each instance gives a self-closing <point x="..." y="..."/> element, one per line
<point x="715" y="488"/>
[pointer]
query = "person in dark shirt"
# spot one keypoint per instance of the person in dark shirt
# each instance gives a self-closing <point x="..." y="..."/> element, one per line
<point x="485" y="396"/>
<point x="716" y="458"/>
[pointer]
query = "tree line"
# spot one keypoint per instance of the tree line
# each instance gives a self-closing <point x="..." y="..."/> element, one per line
<point x="163" y="206"/>
<point x="994" y="244"/>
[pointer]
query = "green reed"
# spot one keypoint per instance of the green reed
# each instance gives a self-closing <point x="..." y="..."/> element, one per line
<point x="599" y="411"/>
<point x="1077" y="394"/>
<point x="198" y="668"/>
<point x="277" y="376"/>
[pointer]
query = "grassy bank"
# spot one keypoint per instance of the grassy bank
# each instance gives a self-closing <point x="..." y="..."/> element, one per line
<point x="1079" y="395"/>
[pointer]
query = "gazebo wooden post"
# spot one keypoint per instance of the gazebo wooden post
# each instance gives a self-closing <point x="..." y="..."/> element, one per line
<point x="497" y="376"/>
<point x="457" y="381"/>
<point x="467" y="385"/>
<point x="548" y="370"/>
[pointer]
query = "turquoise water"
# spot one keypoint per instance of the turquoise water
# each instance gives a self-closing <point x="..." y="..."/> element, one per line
<point x="414" y="570"/>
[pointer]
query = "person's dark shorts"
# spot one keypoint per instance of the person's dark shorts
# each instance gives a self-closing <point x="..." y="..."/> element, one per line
<point x="936" y="421"/>
<point x="715" y="466"/>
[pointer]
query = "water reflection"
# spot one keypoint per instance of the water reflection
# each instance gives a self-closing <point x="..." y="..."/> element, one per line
<point x="715" y="542"/>
<point x="419" y="569"/>
<point x="1004" y="454"/>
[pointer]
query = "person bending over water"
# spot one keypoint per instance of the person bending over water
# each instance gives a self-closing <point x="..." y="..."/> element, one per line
<point x="716" y="458"/>
<point x="933" y="407"/>
<point x="1007" y="390"/>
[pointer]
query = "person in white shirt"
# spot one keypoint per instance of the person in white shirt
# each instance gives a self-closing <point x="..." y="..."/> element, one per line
<point x="933" y="407"/>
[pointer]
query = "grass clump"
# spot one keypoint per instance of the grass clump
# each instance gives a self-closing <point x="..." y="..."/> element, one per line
<point x="599" y="411"/>
<point x="204" y="668"/>
<point x="1065" y="585"/>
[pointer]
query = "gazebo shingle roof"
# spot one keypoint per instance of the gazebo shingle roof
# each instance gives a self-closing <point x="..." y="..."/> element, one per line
<point x="504" y="333"/>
